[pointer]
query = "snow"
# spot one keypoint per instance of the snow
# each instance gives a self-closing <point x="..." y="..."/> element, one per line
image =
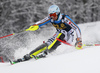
<point x="65" y="59"/>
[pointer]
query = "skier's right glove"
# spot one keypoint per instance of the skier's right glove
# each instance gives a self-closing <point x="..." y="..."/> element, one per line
<point x="33" y="28"/>
<point x="78" y="43"/>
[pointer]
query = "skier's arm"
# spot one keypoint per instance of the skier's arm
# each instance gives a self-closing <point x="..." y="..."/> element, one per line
<point x="43" y="21"/>
<point x="39" y="24"/>
<point x="70" y="22"/>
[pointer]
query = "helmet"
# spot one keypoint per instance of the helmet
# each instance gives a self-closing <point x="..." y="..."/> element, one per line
<point x="53" y="9"/>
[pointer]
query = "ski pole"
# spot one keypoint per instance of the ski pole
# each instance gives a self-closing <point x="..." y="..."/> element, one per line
<point x="11" y="34"/>
<point x="31" y="28"/>
<point x="91" y="44"/>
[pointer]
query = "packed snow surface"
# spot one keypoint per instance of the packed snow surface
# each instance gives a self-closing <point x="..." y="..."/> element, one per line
<point x="65" y="59"/>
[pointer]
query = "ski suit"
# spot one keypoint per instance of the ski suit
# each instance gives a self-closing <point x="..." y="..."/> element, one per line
<point x="65" y="27"/>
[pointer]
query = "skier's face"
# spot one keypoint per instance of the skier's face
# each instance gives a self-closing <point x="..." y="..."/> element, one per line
<point x="53" y="16"/>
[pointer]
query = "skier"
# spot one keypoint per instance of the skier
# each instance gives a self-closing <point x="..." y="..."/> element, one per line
<point x="65" y="27"/>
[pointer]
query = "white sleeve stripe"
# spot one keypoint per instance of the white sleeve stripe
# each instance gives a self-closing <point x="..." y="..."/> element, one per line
<point x="43" y="21"/>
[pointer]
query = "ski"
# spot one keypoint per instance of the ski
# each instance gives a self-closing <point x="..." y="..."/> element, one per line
<point x="12" y="63"/>
<point x="15" y="62"/>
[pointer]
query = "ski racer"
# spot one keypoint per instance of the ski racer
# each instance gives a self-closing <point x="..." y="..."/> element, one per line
<point x="65" y="27"/>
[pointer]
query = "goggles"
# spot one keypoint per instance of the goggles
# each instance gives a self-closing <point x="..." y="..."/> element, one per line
<point x="53" y="15"/>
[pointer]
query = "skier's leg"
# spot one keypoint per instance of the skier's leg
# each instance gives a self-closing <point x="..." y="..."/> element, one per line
<point x="48" y="46"/>
<point x="34" y="53"/>
<point x="38" y="50"/>
<point x="70" y="36"/>
<point x="53" y="43"/>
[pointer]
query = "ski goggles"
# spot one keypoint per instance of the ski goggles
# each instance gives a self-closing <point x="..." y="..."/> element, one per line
<point x="53" y="15"/>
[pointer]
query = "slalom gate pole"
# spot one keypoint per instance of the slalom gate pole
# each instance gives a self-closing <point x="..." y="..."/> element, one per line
<point x="69" y="44"/>
<point x="1" y="59"/>
<point x="73" y="45"/>
<point x="64" y="42"/>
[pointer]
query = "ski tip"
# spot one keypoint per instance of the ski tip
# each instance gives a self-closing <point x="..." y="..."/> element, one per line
<point x="10" y="62"/>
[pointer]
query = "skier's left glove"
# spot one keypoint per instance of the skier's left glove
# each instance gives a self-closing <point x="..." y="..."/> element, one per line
<point x="33" y="28"/>
<point x="78" y="43"/>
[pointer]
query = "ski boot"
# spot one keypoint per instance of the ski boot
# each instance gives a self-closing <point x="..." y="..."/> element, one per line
<point x="42" y="55"/>
<point x="25" y="58"/>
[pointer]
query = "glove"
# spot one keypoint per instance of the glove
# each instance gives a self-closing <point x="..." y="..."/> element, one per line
<point x="78" y="43"/>
<point x="33" y="28"/>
